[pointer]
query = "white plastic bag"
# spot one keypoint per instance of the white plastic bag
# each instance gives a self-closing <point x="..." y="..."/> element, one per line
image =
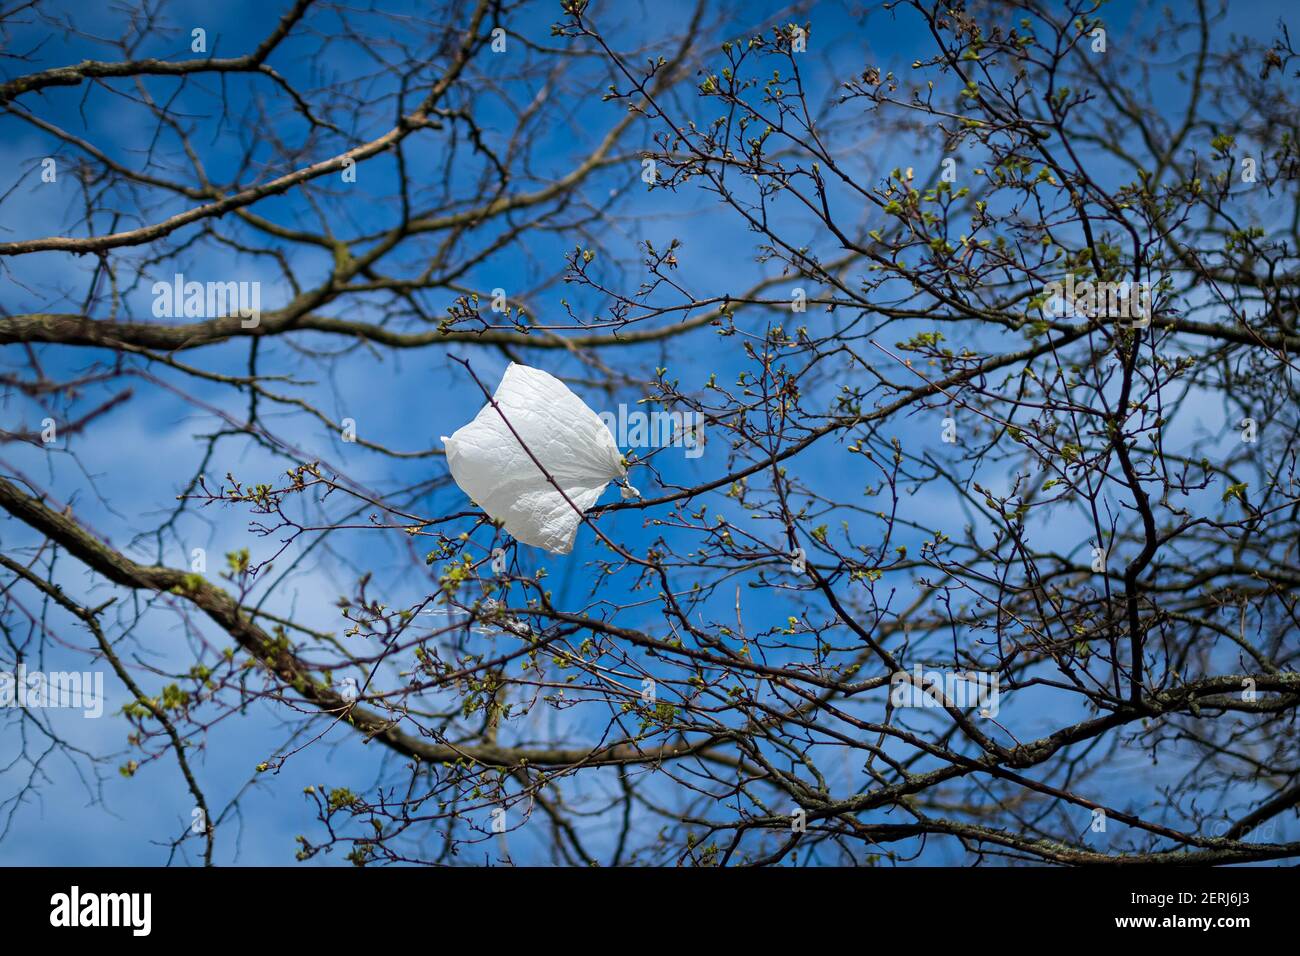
<point x="564" y="435"/>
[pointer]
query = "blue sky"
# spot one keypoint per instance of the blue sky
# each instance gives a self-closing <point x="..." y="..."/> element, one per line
<point x="124" y="475"/>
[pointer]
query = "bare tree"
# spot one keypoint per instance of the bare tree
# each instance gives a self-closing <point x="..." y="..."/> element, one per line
<point x="992" y="551"/>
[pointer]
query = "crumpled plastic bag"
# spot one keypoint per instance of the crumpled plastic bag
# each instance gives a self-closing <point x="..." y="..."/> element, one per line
<point x="566" y="437"/>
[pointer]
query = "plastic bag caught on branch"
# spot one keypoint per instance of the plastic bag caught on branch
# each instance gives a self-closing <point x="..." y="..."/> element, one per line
<point x="565" y="437"/>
